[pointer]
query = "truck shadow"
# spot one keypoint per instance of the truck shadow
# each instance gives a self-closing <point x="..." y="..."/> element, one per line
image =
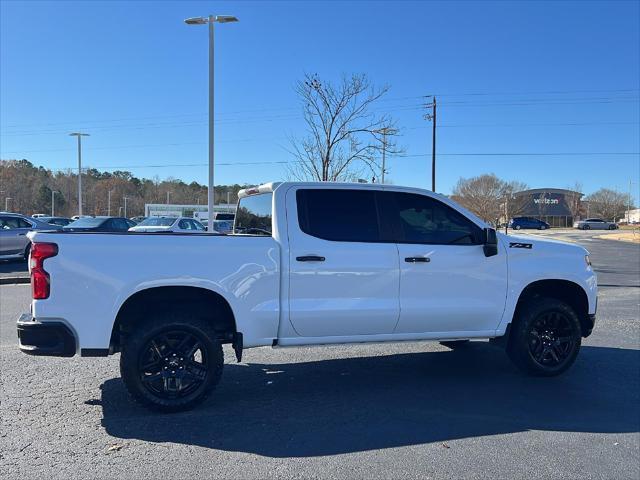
<point x="356" y="404"/>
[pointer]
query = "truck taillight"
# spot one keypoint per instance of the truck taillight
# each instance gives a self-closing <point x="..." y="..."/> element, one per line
<point x="39" y="277"/>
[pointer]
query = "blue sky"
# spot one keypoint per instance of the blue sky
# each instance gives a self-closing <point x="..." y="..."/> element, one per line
<point x="511" y="77"/>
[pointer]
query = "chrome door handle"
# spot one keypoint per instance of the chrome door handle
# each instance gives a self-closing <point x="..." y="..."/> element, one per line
<point x="417" y="259"/>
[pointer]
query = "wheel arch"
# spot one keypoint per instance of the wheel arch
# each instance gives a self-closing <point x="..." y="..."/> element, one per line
<point x="564" y="290"/>
<point x="204" y="302"/>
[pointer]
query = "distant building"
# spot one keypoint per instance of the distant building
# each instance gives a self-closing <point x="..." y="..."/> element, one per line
<point x="556" y="206"/>
<point x="632" y="215"/>
<point x="199" y="212"/>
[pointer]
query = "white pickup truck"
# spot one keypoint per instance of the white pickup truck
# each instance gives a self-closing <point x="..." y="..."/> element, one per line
<point x="307" y="264"/>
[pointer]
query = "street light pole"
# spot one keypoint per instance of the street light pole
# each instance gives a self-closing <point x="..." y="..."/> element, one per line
<point x="211" y="197"/>
<point x="53" y="202"/>
<point x="125" y="206"/>
<point x="168" y="192"/>
<point x="211" y="19"/>
<point x="109" y="203"/>
<point x="79" y="135"/>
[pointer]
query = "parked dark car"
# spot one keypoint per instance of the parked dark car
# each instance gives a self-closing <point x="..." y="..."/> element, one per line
<point x="100" y="224"/>
<point x="518" y="223"/>
<point x="60" y="221"/>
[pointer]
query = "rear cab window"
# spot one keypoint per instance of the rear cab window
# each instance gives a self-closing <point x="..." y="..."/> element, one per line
<point x="339" y="215"/>
<point x="254" y="215"/>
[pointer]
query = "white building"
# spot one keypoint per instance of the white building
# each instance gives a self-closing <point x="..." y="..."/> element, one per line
<point x="631" y="215"/>
<point x="198" y="212"/>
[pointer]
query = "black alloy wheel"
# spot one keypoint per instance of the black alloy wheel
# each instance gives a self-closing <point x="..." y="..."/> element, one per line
<point x="551" y="339"/>
<point x="173" y="364"/>
<point x="545" y="337"/>
<point x="170" y="363"/>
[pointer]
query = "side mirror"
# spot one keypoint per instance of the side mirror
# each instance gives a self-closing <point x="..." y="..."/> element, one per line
<point x="490" y="245"/>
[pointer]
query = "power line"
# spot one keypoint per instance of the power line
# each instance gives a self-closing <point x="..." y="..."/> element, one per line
<point x="166" y="165"/>
<point x="520" y="102"/>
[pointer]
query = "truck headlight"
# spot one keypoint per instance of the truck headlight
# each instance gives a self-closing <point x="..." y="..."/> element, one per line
<point x="587" y="260"/>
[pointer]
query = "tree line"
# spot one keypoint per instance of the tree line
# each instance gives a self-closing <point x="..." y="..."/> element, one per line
<point x="28" y="189"/>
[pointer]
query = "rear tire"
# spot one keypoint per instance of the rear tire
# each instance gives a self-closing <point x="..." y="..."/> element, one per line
<point x="586" y="227"/>
<point x="545" y="337"/>
<point x="455" y="344"/>
<point x="170" y="363"/>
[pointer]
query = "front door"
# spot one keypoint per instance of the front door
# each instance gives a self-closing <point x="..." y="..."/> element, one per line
<point x="447" y="284"/>
<point x="343" y="280"/>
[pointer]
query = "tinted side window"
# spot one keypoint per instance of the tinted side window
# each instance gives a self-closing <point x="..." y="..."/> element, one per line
<point x="119" y="224"/>
<point x="184" y="225"/>
<point x="253" y="216"/>
<point x="196" y="225"/>
<point x="10" y="223"/>
<point x="23" y="223"/>
<point x="339" y="215"/>
<point x="426" y="220"/>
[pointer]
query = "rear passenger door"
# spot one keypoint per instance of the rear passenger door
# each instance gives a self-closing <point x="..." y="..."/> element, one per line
<point x="344" y="276"/>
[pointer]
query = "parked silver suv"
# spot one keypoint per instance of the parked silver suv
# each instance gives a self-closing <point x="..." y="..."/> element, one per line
<point x="13" y="234"/>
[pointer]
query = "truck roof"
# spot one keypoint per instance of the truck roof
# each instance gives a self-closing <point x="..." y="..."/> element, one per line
<point x="272" y="186"/>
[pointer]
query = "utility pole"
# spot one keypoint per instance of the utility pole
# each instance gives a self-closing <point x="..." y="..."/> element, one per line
<point x="432" y="117"/>
<point x="79" y="135"/>
<point x="6" y="203"/>
<point x="384" y="131"/>
<point x="125" y="206"/>
<point x="168" y="192"/>
<point x="109" y="203"/>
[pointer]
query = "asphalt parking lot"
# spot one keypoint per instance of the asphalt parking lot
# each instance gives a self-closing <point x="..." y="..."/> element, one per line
<point x="371" y="411"/>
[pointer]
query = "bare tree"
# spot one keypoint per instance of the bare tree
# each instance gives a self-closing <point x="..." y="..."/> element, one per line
<point x="608" y="204"/>
<point x="483" y="195"/>
<point x="344" y="137"/>
<point x="514" y="205"/>
<point x="573" y="203"/>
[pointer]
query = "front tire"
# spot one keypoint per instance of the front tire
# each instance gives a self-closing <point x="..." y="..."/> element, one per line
<point x="171" y="363"/>
<point x="545" y="337"/>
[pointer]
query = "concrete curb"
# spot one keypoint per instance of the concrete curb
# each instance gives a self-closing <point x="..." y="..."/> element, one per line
<point x="14" y="280"/>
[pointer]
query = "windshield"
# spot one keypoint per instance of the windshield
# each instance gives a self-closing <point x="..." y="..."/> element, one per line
<point x="157" y="222"/>
<point x="86" y="222"/>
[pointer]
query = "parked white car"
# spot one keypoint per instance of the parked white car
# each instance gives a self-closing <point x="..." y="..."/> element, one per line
<point x="317" y="263"/>
<point x="169" y="224"/>
<point x="595" y="224"/>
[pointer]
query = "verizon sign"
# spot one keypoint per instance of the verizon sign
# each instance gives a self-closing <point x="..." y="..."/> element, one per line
<point x="546" y="201"/>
